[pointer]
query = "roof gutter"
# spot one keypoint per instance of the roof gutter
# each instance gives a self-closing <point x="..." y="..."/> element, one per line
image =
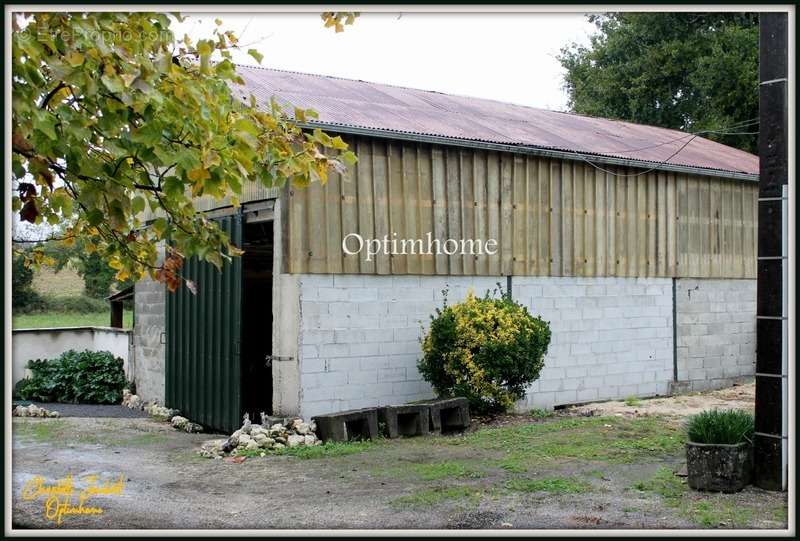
<point x="526" y="149"/>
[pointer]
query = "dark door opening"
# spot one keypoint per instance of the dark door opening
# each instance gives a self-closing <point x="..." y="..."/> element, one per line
<point x="256" y="337"/>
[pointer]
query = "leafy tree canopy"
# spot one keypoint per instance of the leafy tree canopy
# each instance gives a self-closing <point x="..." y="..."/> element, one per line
<point x="685" y="71"/>
<point x="113" y="116"/>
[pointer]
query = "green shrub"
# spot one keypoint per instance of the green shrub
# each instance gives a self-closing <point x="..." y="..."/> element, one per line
<point x="23" y="296"/>
<point x="80" y="304"/>
<point x="85" y="377"/>
<point x="485" y="349"/>
<point x="721" y="427"/>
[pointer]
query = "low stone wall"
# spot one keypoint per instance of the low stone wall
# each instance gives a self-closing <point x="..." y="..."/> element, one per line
<point x="48" y="343"/>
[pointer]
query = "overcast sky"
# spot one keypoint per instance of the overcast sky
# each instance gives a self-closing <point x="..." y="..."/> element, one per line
<point x="506" y="57"/>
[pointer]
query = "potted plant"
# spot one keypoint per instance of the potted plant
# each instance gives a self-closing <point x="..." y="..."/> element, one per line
<point x="719" y="454"/>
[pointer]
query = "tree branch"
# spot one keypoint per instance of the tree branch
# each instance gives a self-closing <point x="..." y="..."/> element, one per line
<point x="50" y="95"/>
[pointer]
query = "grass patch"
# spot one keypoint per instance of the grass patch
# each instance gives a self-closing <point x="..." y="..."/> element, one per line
<point x="436" y="495"/>
<point x="326" y="450"/>
<point x="707" y="510"/>
<point x="329" y="450"/>
<point x="610" y="439"/>
<point x="665" y="484"/>
<point x="68" y="319"/>
<point x="712" y="514"/>
<point x="445" y="470"/>
<point x="59" y="431"/>
<point x="539" y="413"/>
<point x="39" y="430"/>
<point x="780" y="514"/>
<point x="433" y="471"/>
<point x="64" y="283"/>
<point x="141" y="440"/>
<point x="515" y="464"/>
<point x="552" y="485"/>
<point x="632" y="401"/>
<point x="596" y="474"/>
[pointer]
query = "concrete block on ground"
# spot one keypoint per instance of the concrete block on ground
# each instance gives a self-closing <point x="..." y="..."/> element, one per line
<point x="360" y="424"/>
<point x="405" y="420"/>
<point x="448" y="415"/>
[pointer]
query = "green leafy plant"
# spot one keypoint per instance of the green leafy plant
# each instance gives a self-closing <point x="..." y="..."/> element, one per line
<point x="85" y="377"/>
<point x="22" y="293"/>
<point x="114" y="116"/>
<point x="485" y="349"/>
<point x="691" y="71"/>
<point x="632" y="401"/>
<point x="721" y="427"/>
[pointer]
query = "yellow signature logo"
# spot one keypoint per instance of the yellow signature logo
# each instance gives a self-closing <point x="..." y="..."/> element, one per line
<point x="62" y="498"/>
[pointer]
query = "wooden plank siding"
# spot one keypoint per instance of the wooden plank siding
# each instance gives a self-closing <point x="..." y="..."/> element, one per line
<point x="550" y="217"/>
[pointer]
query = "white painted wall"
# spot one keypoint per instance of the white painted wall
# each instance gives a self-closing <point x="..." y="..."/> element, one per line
<point x="360" y="337"/>
<point x="351" y="341"/>
<point x="611" y="337"/>
<point x="27" y="344"/>
<point x="716" y="331"/>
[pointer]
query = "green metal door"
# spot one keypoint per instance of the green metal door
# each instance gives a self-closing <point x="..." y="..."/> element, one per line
<point x="202" y="373"/>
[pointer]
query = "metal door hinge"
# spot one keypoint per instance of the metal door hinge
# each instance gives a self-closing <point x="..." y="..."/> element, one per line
<point x="276" y="358"/>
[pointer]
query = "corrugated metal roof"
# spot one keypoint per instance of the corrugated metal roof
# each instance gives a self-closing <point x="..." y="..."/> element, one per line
<point x="372" y="106"/>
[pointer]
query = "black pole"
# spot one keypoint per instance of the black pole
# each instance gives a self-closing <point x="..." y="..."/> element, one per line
<point x="770" y="445"/>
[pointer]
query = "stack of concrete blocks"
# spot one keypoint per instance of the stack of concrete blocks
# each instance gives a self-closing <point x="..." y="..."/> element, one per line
<point x="407" y="420"/>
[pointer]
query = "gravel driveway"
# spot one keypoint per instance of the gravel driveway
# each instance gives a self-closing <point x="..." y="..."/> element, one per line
<point x="557" y="472"/>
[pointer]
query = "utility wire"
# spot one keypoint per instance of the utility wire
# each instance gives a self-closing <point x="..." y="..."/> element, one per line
<point x="743" y="124"/>
<point x="693" y="136"/>
<point x="582" y="157"/>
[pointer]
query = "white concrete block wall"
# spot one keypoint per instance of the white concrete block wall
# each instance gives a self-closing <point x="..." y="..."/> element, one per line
<point x="148" y="353"/>
<point x="354" y="340"/>
<point x="611" y="337"/>
<point x="359" y="338"/>
<point x="716" y="331"/>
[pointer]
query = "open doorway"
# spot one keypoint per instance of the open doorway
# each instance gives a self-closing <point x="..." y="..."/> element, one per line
<point x="256" y="326"/>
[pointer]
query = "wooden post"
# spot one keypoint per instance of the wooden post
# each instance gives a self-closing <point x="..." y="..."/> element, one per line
<point x="771" y="438"/>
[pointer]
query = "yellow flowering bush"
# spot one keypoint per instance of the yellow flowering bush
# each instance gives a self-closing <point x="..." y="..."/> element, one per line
<point x="485" y="349"/>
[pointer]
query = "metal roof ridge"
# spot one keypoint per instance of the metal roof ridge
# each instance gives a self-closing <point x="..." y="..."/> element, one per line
<point x="529" y="107"/>
<point x="533" y="149"/>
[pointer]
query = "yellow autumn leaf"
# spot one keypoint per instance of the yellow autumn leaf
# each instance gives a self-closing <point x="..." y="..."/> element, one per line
<point x="74" y="59"/>
<point x="198" y="174"/>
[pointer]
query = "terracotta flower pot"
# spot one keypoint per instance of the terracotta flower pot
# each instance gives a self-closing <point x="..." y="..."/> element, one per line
<point x="719" y="467"/>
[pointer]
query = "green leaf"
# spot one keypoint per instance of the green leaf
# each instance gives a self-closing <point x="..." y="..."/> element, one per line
<point x="95" y="217"/>
<point x="255" y="54"/>
<point x="138" y="204"/>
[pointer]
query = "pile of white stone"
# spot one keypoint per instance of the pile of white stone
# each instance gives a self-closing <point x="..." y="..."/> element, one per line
<point x="182" y="423"/>
<point x="33" y="411"/>
<point x="131" y="400"/>
<point x="263" y="437"/>
<point x="162" y="413"/>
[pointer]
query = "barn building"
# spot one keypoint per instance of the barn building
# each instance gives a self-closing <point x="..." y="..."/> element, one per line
<point x="637" y="243"/>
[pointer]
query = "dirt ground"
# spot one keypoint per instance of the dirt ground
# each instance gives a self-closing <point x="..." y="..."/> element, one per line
<point x="736" y="397"/>
<point x="568" y="470"/>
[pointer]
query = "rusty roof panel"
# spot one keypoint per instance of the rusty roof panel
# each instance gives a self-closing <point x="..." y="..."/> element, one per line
<point x="365" y="105"/>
